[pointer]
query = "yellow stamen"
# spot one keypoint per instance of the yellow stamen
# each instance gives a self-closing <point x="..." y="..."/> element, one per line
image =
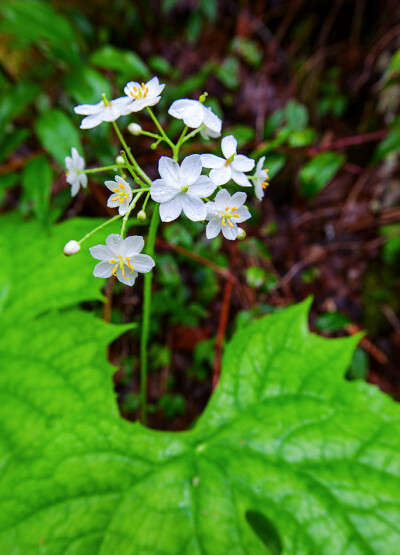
<point x="115" y="190"/>
<point x="234" y="208"/>
<point x="136" y="89"/>
<point x="112" y="261"/>
<point x="235" y="216"/>
<point x="223" y="222"/>
<point x="264" y="185"/>
<point x="128" y="263"/>
<point x="230" y="223"/>
<point x="114" y="199"/>
<point x="121" y="186"/>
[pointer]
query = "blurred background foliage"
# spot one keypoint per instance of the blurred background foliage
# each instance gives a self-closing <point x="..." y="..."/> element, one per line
<point x="314" y="87"/>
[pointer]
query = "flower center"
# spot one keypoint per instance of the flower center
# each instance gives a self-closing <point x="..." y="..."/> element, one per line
<point x="120" y="193"/>
<point x="185" y="189"/>
<point x="229" y="160"/>
<point x="265" y="183"/>
<point x="121" y="263"/>
<point x="229" y="213"/>
<point x="139" y="92"/>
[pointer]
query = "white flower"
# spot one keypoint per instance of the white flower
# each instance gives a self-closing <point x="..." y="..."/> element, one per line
<point x="224" y="213"/>
<point x="138" y="96"/>
<point x="121" y="258"/>
<point x="195" y="114"/>
<point x="75" y="176"/>
<point x="260" y="179"/>
<point x="181" y="188"/>
<point x="230" y="167"/>
<point x="105" y="110"/>
<point x="122" y="194"/>
<point x="72" y="247"/>
<point x="134" y="128"/>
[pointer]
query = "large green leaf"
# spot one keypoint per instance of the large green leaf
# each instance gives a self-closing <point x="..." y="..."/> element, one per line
<point x="287" y="458"/>
<point x="319" y="171"/>
<point x="58" y="134"/>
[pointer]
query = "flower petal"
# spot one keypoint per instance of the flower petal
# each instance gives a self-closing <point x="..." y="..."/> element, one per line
<point x="130" y="276"/>
<point x="243" y="214"/>
<point x="229" y="232"/>
<point x="161" y="191"/>
<point x="169" y="171"/>
<point x="213" y="227"/>
<point x="212" y="121"/>
<point x="133" y="245"/>
<point x="193" y="207"/>
<point x="203" y="187"/>
<point x="92" y="121"/>
<point x="87" y="109"/>
<point x="211" y="161"/>
<point x="238" y="199"/>
<point x="228" y="146"/>
<point x="222" y="199"/>
<point x="242" y="163"/>
<point x="171" y="210"/>
<point x="193" y="116"/>
<point x="83" y="180"/>
<point x="220" y="176"/>
<point x="101" y="252"/>
<point x="190" y="169"/>
<point x="177" y="108"/>
<point x="114" y="242"/>
<point x="103" y="270"/>
<point x="240" y="178"/>
<point x="142" y="263"/>
<point x="110" y="185"/>
<point x="123" y="207"/>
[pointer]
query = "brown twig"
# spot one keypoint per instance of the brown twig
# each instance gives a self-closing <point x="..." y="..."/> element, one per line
<point x="349" y="141"/>
<point x="372" y="349"/>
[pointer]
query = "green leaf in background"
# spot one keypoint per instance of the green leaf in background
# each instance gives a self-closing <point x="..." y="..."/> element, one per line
<point x="58" y="134"/>
<point x="302" y="137"/>
<point x="391" y="248"/>
<point x="37" y="178"/>
<point x="359" y="365"/>
<point x="7" y="181"/>
<point x="391" y="143"/>
<point x="287" y="455"/>
<point x="86" y="85"/>
<point x="228" y="72"/>
<point x="36" y="22"/>
<point x="14" y="101"/>
<point x="317" y="173"/>
<point x="242" y="133"/>
<point x="55" y="280"/>
<point x="296" y="115"/>
<point x="274" y="162"/>
<point x="9" y="142"/>
<point x="331" y="321"/>
<point x="125" y="62"/>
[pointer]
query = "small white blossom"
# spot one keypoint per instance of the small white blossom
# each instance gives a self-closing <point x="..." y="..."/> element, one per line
<point x="230" y="167"/>
<point x="195" y="114"/>
<point x="120" y="257"/>
<point x="72" y="247"/>
<point x="122" y="194"/>
<point x="260" y="179"/>
<point x="105" y="110"/>
<point x="134" y="128"/>
<point x="140" y="95"/>
<point x="119" y="160"/>
<point x="181" y="188"/>
<point x="224" y="213"/>
<point x="75" y="165"/>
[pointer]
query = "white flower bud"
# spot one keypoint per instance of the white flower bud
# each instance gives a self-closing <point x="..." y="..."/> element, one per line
<point x="72" y="247"/>
<point x="142" y="217"/>
<point x="134" y="128"/>
<point x="119" y="160"/>
<point x="241" y="233"/>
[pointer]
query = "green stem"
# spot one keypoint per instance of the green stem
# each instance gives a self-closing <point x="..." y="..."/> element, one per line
<point x="132" y="170"/>
<point x="146" y="317"/>
<point x="161" y="130"/>
<point x="192" y="134"/>
<point x="103" y="168"/>
<point x="178" y="145"/>
<point x="117" y="217"/>
<point x="135" y="165"/>
<point x="149" y="134"/>
<point x="131" y="207"/>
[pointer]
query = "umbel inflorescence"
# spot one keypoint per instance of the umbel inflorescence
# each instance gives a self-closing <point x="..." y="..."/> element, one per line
<point x="182" y="187"/>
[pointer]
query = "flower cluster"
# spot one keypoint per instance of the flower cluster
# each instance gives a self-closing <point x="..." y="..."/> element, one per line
<point x="181" y="187"/>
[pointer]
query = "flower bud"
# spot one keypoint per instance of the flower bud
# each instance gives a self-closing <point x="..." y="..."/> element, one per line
<point x="72" y="247"/>
<point x="241" y="233"/>
<point x="142" y="217"/>
<point x="134" y="128"/>
<point x="203" y="97"/>
<point x="119" y="160"/>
